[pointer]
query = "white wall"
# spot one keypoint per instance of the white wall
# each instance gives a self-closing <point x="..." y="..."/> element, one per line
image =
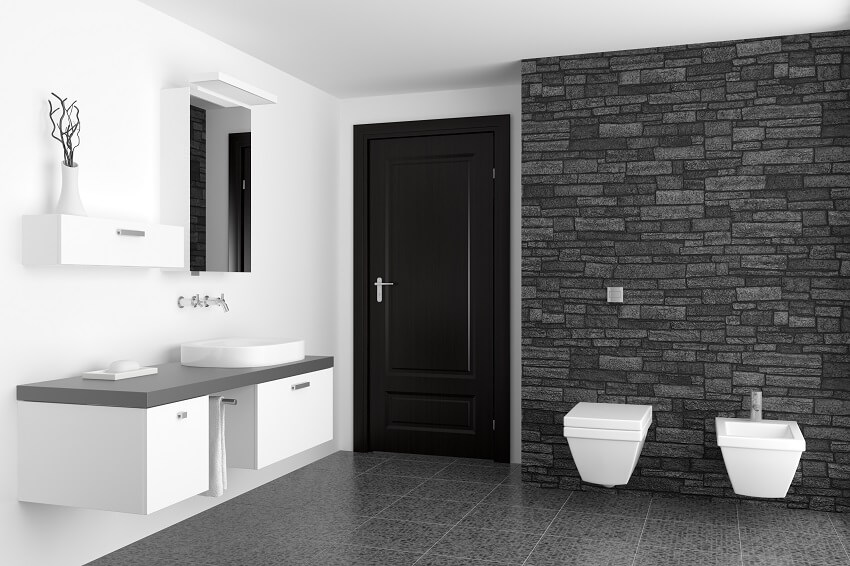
<point x="405" y="107"/>
<point x="115" y="56"/>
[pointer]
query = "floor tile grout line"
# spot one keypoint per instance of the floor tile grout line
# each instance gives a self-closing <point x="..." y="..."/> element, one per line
<point x="369" y="471"/>
<point x="465" y="515"/>
<point x="546" y="530"/>
<point x="840" y="538"/>
<point x="640" y="538"/>
<point x="661" y="546"/>
<point x="407" y="476"/>
<point x="740" y="538"/>
<point x="400" y="497"/>
<point x="416" y="552"/>
<point x="375" y="516"/>
<point x="482" y="560"/>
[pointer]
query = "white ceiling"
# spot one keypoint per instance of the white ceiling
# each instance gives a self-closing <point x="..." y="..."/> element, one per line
<point x="355" y="48"/>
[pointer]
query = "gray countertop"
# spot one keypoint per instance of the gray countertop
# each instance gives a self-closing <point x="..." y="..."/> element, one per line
<point x="174" y="382"/>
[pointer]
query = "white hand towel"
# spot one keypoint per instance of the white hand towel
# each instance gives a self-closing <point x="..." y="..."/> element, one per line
<point x="218" y="454"/>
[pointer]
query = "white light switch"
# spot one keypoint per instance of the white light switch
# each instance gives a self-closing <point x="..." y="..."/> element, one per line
<point x="615" y="294"/>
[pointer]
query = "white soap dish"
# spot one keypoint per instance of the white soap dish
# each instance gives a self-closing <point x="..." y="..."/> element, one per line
<point x="107" y="375"/>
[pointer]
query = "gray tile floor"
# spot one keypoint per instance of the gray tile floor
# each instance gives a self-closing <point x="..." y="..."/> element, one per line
<point x="398" y="509"/>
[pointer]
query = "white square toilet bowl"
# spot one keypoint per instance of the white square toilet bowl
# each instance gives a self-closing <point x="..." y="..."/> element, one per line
<point x="606" y="440"/>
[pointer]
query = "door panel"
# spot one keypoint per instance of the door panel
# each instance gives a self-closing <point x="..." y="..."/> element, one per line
<point x="428" y="318"/>
<point x="421" y="411"/>
<point x="431" y="337"/>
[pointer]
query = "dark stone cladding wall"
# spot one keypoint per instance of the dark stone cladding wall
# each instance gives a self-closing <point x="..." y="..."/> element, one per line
<point x="713" y="183"/>
<point x="198" y="190"/>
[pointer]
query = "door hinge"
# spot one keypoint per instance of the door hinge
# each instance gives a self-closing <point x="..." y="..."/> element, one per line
<point x="494" y="172"/>
<point x="494" y="424"/>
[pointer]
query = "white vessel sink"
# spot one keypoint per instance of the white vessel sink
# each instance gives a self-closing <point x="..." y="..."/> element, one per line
<point x="761" y="457"/>
<point x="240" y="352"/>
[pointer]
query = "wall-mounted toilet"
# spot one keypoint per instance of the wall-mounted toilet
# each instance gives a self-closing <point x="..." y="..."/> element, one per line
<point x="606" y="440"/>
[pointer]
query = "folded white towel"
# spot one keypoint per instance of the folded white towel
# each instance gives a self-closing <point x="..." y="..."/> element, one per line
<point x="218" y="454"/>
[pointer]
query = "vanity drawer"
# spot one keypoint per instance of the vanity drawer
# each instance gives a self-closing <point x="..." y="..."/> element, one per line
<point x="113" y="458"/>
<point x="293" y="415"/>
<point x="59" y="239"/>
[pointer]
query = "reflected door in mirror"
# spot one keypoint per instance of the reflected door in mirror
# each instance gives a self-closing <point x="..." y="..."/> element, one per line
<point x="220" y="202"/>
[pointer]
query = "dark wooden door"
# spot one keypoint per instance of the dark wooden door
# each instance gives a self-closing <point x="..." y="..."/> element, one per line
<point x="431" y="334"/>
<point x="239" y="215"/>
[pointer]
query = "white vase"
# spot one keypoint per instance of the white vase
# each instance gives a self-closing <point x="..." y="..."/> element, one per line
<point x="69" y="198"/>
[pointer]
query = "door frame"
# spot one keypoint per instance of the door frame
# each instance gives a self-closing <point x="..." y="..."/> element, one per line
<point x="499" y="126"/>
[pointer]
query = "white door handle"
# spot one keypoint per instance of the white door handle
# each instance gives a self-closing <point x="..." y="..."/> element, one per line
<point x="379" y="286"/>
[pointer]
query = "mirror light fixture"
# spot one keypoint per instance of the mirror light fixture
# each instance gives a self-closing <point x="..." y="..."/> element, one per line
<point x="228" y="92"/>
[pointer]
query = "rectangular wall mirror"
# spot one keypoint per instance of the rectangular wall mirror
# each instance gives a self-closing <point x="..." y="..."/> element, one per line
<point x="205" y="168"/>
<point x="220" y="187"/>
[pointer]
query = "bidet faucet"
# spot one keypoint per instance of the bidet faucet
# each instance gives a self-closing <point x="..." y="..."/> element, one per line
<point x="755" y="405"/>
<point x="216" y="301"/>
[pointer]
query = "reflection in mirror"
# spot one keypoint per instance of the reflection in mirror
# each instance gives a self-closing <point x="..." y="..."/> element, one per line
<point x="220" y="191"/>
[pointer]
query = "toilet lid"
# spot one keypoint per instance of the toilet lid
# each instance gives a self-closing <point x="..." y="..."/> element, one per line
<point x="609" y="416"/>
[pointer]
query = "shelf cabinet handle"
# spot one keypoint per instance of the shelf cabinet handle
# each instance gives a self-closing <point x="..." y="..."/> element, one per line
<point x="301" y="385"/>
<point x="128" y="232"/>
<point x="182" y="415"/>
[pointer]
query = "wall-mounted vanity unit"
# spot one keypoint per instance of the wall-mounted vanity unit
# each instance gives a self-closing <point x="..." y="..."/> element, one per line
<point x="60" y="239"/>
<point x="142" y="444"/>
<point x="206" y="168"/>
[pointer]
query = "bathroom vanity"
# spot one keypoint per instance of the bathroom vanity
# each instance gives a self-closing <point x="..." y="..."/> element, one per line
<point x="142" y="444"/>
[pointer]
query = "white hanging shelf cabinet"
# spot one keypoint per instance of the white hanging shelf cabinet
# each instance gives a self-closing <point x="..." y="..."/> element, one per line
<point x="61" y="239"/>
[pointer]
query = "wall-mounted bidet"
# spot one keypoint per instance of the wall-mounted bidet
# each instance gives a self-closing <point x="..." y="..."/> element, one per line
<point x="761" y="456"/>
<point x="606" y="440"/>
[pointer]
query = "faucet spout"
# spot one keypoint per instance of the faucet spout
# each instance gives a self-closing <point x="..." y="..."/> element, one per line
<point x="755" y="405"/>
<point x="216" y="301"/>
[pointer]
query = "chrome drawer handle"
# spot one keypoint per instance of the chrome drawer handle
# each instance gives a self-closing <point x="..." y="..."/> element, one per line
<point x="182" y="415"/>
<point x="128" y="232"/>
<point x="301" y="385"/>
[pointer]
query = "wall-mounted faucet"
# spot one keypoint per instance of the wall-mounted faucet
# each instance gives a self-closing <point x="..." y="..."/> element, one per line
<point x="755" y="405"/>
<point x="205" y="301"/>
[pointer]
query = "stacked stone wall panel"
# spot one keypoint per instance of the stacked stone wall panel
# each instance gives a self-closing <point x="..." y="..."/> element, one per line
<point x="712" y="182"/>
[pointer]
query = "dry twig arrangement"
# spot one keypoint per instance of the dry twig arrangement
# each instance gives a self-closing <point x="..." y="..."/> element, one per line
<point x="68" y="127"/>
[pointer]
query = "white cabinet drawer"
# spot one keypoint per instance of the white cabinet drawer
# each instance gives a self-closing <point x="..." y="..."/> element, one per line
<point x="293" y="414"/>
<point x="58" y="239"/>
<point x="278" y="419"/>
<point x="113" y="458"/>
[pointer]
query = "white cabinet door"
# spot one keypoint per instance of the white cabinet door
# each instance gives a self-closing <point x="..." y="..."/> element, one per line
<point x="293" y="414"/>
<point x="112" y="458"/>
<point x="178" y="452"/>
<point x="312" y="414"/>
